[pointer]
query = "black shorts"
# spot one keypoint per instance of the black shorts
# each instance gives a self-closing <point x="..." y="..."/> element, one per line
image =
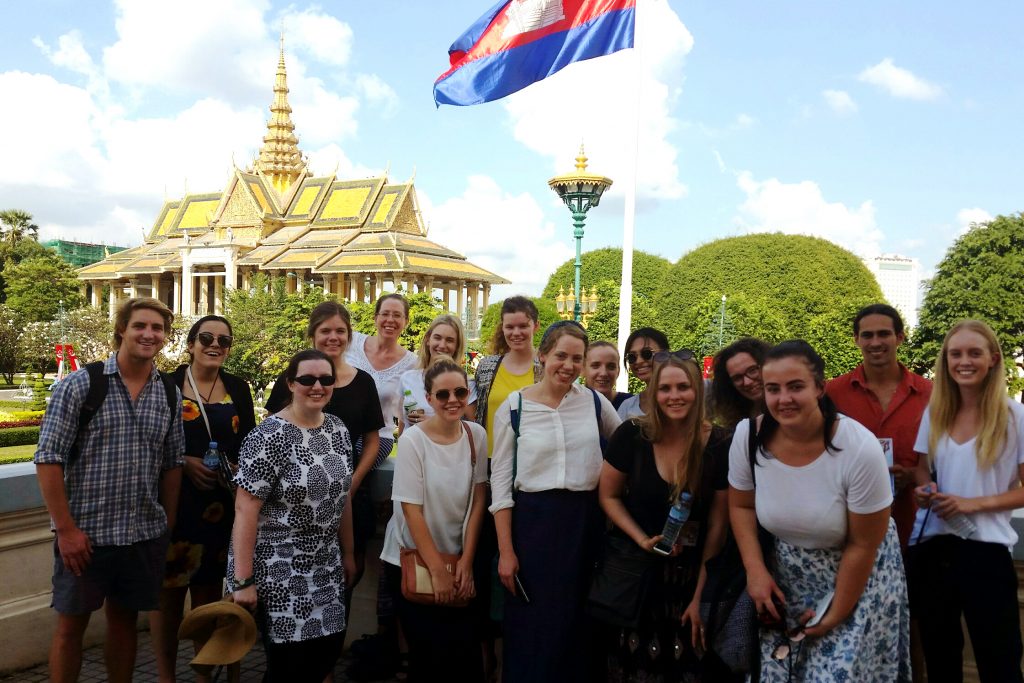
<point x="130" y="575"/>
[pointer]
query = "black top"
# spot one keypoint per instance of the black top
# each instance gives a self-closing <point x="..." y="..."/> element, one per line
<point x="647" y="495"/>
<point x="620" y="396"/>
<point x="356" y="403"/>
<point x="241" y="396"/>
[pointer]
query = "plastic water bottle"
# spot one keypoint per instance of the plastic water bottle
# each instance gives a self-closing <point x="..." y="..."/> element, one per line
<point x="677" y="516"/>
<point x="960" y="524"/>
<point x="211" y="460"/>
<point x="409" y="402"/>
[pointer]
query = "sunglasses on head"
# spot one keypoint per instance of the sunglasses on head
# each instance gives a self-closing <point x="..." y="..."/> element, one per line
<point x="223" y="340"/>
<point x="461" y="393"/>
<point x="681" y="354"/>
<point x="310" y="380"/>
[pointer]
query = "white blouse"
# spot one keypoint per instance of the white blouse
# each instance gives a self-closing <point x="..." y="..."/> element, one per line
<point x="559" y="448"/>
<point x="387" y="380"/>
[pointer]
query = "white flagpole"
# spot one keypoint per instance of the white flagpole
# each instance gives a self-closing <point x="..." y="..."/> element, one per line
<point x="629" y="217"/>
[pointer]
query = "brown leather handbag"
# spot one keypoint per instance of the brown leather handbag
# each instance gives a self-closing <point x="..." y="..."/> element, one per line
<point x="417" y="585"/>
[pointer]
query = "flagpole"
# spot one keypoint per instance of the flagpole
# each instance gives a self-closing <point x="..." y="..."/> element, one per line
<point x="629" y="211"/>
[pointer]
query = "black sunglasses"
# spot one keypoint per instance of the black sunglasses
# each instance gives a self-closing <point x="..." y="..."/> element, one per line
<point x="647" y="353"/>
<point x="223" y="340"/>
<point x="310" y="380"/>
<point x="681" y="354"/>
<point x="442" y="395"/>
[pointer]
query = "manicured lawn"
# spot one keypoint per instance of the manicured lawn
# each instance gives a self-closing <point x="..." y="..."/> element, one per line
<point x="11" y="454"/>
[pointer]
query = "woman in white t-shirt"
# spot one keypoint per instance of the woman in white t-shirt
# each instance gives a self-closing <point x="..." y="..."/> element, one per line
<point x="971" y="443"/>
<point x="439" y="498"/>
<point x="444" y="337"/>
<point x="819" y="483"/>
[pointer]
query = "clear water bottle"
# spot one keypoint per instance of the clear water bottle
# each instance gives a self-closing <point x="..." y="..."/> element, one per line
<point x="677" y="516"/>
<point x="409" y="402"/>
<point x="960" y="524"/>
<point x="211" y="460"/>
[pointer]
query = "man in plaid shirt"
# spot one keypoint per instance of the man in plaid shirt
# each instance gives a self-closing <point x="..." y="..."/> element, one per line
<point x="111" y="492"/>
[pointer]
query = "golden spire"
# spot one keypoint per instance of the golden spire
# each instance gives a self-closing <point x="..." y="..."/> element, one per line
<point x="581" y="160"/>
<point x="280" y="158"/>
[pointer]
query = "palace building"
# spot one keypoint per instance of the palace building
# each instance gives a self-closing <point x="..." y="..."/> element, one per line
<point x="355" y="238"/>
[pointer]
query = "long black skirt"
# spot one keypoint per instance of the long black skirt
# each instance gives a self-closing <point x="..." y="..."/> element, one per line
<point x="556" y="536"/>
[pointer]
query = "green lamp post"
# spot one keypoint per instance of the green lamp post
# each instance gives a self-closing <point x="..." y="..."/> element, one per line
<point x="580" y="191"/>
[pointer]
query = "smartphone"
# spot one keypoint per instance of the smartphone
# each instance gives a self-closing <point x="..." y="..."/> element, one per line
<point x="520" y="591"/>
<point x="820" y="609"/>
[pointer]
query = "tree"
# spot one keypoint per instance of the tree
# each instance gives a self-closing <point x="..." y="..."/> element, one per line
<point x="981" y="276"/>
<point x="796" y="276"/>
<point x="37" y="285"/>
<point x="36" y="346"/>
<point x="17" y="225"/>
<point x="604" y="264"/>
<point x="91" y="332"/>
<point x="10" y="332"/>
<point x="15" y="253"/>
<point x="604" y="324"/>
<point x="747" y="317"/>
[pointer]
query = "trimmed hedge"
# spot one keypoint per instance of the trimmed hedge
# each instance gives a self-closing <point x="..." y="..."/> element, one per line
<point x="19" y="436"/>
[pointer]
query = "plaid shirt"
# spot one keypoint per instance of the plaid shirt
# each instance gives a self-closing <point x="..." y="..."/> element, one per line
<point x="113" y="484"/>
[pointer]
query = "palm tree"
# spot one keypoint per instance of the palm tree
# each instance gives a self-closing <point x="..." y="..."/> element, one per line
<point x="18" y="224"/>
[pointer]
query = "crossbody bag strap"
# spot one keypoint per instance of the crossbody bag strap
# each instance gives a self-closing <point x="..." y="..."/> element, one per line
<point x="199" y="400"/>
<point x="515" y="418"/>
<point x="472" y="471"/>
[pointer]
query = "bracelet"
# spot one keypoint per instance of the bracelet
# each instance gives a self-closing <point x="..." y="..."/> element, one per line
<point x="244" y="583"/>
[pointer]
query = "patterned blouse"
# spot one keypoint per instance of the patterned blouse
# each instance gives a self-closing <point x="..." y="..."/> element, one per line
<point x="303" y="478"/>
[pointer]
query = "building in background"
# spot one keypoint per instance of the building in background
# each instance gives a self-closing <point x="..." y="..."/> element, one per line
<point x="80" y="254"/>
<point x="900" y="280"/>
<point x="356" y="238"/>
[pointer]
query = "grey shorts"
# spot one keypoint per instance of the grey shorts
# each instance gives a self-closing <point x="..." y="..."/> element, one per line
<point x="130" y="575"/>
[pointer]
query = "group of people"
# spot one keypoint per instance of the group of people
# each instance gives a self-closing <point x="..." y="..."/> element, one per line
<point x="865" y="515"/>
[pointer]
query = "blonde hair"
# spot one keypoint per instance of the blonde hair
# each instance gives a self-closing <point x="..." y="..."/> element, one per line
<point x="423" y="352"/>
<point x="946" y="402"/>
<point x="687" y="474"/>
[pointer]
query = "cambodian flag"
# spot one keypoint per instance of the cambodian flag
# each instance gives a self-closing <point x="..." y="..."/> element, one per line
<point x="519" y="42"/>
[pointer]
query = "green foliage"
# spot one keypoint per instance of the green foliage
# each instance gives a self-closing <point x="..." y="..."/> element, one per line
<point x="981" y="276"/>
<point x="35" y="287"/>
<point x="13" y="454"/>
<point x="17" y="225"/>
<point x="19" y="436"/>
<point x="604" y="264"/>
<point x="545" y="310"/>
<point x="38" y="401"/>
<point x="35" y="347"/>
<point x="90" y="331"/>
<point x="604" y="324"/>
<point x="746" y="316"/>
<point x="10" y="332"/>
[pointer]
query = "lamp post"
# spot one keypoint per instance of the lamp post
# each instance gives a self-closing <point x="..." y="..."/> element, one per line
<point x="580" y="191"/>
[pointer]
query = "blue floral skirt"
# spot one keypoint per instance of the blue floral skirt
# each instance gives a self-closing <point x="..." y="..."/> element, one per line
<point x="872" y="645"/>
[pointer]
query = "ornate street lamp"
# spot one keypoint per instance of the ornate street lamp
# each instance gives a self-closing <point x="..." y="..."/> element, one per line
<point x="580" y="191"/>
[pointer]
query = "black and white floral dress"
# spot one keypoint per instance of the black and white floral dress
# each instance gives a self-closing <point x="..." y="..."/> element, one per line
<point x="303" y="478"/>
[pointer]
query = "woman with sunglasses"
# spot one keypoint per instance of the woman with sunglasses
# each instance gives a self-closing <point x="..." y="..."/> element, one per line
<point x="819" y="483"/>
<point x="649" y="462"/>
<point x="291" y="511"/>
<point x="641" y="345"/>
<point x="971" y="443"/>
<point x="544" y="475"/>
<point x="439" y="496"/>
<point x="216" y="406"/>
<point x="444" y="337"/>
<point x="736" y="389"/>
<point x="354" y="399"/>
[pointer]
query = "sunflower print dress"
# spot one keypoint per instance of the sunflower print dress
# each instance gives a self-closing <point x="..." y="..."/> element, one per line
<point x="198" y="552"/>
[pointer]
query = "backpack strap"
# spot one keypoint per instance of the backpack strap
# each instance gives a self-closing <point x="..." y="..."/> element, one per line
<point x="171" y="389"/>
<point x="514" y="418"/>
<point x="98" y="385"/>
<point x="597" y="411"/>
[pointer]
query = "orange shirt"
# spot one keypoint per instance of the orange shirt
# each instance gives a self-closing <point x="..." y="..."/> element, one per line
<point x="898" y="422"/>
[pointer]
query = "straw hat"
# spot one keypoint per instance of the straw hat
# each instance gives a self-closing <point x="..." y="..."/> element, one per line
<point x="228" y="629"/>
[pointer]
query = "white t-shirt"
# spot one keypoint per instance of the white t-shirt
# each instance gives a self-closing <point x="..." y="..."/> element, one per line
<point x="558" y="448"/>
<point x="807" y="506"/>
<point x="630" y="408"/>
<point x="386" y="380"/>
<point x="435" y="476"/>
<point x="412" y="381"/>
<point x="958" y="473"/>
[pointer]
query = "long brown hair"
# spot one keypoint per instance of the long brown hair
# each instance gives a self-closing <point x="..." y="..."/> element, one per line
<point x="513" y="304"/>
<point x="689" y="468"/>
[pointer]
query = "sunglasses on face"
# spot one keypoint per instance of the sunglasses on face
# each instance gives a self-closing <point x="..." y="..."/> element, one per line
<point x="310" y="380"/>
<point x="442" y="395"/>
<point x="681" y="354"/>
<point x="647" y="353"/>
<point x="223" y="340"/>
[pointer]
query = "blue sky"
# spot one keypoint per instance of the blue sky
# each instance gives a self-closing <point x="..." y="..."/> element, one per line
<point x="886" y="127"/>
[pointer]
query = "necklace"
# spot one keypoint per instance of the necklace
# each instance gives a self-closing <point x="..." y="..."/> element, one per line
<point x="206" y="399"/>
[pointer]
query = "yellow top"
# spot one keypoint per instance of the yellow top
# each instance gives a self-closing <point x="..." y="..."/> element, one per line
<point x="504" y="384"/>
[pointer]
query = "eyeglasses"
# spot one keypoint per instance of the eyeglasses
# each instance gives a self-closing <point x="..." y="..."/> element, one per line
<point x="310" y="380"/>
<point x="681" y="354"/>
<point x="647" y="353"/>
<point x="223" y="340"/>
<point x="461" y="393"/>
<point x="753" y="372"/>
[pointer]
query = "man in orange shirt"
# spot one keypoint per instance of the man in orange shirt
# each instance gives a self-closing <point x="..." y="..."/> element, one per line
<point x="888" y="399"/>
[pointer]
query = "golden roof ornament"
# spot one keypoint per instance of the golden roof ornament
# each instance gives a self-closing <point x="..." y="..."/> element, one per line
<point x="280" y="159"/>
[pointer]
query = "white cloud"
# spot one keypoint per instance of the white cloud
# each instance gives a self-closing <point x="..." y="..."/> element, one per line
<point x="967" y="218"/>
<point x="800" y="208"/>
<point x="531" y="251"/>
<point x="744" y="121"/>
<point x="596" y="101"/>
<point x="839" y="101"/>
<point x="899" y="82"/>
<point x="378" y="93"/>
<point x="321" y="36"/>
